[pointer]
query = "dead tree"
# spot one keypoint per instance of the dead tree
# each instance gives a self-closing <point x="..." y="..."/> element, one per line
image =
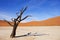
<point x="16" y="21"/>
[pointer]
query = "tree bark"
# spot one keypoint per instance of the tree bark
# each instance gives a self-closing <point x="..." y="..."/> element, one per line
<point x="14" y="30"/>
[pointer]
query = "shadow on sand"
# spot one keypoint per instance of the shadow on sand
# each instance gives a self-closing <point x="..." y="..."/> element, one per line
<point x="29" y="34"/>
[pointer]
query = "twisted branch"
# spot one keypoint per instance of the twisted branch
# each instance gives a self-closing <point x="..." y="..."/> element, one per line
<point x="8" y="22"/>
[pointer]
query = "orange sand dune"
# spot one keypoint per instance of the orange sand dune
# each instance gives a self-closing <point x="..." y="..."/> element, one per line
<point x="3" y="23"/>
<point x="49" y="22"/>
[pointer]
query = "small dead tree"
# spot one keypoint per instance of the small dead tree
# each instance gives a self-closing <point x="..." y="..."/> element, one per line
<point x="16" y="21"/>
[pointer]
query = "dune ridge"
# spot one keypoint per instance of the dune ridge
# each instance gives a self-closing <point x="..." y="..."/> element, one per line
<point x="49" y="22"/>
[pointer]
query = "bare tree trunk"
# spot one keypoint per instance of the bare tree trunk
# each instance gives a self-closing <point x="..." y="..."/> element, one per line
<point x="14" y="30"/>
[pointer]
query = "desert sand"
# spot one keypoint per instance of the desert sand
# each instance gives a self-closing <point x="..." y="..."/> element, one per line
<point x="55" y="21"/>
<point x="43" y="33"/>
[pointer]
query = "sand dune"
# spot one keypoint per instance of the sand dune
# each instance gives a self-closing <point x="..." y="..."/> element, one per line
<point x="49" y="22"/>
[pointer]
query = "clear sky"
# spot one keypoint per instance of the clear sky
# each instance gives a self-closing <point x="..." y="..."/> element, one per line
<point x="39" y="9"/>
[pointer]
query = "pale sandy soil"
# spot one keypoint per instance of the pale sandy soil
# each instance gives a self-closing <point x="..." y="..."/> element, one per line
<point x="52" y="33"/>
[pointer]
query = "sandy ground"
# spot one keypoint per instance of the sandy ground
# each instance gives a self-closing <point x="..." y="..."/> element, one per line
<point x="52" y="33"/>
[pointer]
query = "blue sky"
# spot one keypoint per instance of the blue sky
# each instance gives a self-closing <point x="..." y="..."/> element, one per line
<point x="39" y="9"/>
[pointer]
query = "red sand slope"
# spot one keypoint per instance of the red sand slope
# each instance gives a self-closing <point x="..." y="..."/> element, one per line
<point x="49" y="22"/>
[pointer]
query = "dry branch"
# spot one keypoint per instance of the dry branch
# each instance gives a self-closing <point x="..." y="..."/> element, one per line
<point x="8" y="22"/>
